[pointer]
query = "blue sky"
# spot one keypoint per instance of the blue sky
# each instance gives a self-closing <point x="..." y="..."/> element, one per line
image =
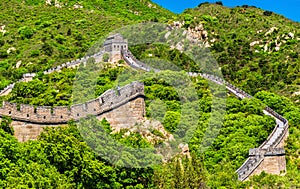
<point x="288" y="8"/>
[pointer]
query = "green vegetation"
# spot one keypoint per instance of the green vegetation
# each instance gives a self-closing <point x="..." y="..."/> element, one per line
<point x="45" y="36"/>
<point x="40" y="36"/>
<point x="272" y="63"/>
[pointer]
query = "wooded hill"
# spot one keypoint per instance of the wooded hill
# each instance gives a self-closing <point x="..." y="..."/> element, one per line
<point x="257" y="50"/>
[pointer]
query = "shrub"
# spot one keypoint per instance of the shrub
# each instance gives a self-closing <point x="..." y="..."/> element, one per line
<point x="48" y="49"/>
<point x="268" y="13"/>
<point x="34" y="53"/>
<point x="26" y="32"/>
<point x="219" y="3"/>
<point x="60" y="39"/>
<point x="105" y="57"/>
<point x="5" y="125"/>
<point x="204" y="3"/>
<point x="171" y="121"/>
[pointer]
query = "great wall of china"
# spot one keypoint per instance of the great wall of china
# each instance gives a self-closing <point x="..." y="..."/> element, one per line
<point x="269" y="156"/>
<point x="28" y="121"/>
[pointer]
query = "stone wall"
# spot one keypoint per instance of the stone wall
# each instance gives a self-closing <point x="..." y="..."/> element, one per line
<point x="122" y="107"/>
<point x="273" y="164"/>
<point x="269" y="156"/>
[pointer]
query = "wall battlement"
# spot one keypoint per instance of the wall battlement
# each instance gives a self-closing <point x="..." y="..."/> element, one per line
<point x="29" y="120"/>
<point x="58" y="115"/>
<point x="270" y="156"/>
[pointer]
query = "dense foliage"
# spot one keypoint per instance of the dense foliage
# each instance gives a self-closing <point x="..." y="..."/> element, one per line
<point x="256" y="50"/>
<point x="37" y="37"/>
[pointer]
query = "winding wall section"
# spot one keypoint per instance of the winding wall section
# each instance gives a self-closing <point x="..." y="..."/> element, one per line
<point x="72" y="64"/>
<point x="269" y="156"/>
<point x="122" y="108"/>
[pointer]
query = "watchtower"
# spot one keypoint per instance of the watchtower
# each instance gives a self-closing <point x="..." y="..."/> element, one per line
<point x="113" y="45"/>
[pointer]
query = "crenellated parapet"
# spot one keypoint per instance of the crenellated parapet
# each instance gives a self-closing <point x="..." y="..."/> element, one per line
<point x="124" y="107"/>
<point x="109" y="100"/>
<point x="75" y="63"/>
<point x="270" y="155"/>
<point x="72" y="64"/>
<point x="266" y="152"/>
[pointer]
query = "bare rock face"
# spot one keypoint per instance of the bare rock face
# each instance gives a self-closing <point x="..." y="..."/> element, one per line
<point x="194" y="34"/>
<point x="197" y="34"/>
<point x="184" y="149"/>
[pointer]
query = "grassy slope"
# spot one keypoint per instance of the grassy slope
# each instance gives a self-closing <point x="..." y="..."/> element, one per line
<point x="44" y="36"/>
<point x="234" y="29"/>
<point x="233" y="33"/>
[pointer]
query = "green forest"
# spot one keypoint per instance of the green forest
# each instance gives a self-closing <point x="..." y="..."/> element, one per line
<point x="36" y="36"/>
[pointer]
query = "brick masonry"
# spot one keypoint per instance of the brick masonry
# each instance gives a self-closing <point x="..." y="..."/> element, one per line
<point x="122" y="108"/>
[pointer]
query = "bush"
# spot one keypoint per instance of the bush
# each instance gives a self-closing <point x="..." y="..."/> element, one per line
<point x="171" y="121"/>
<point x="35" y="53"/>
<point x="48" y="49"/>
<point x="5" y="125"/>
<point x="105" y="57"/>
<point x="60" y="39"/>
<point x="26" y="32"/>
<point x="219" y="3"/>
<point x="204" y="3"/>
<point x="268" y="13"/>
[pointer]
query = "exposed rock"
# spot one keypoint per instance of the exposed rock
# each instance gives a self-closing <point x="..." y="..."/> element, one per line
<point x="57" y="4"/>
<point x="177" y="24"/>
<point x="48" y="2"/>
<point x="254" y="43"/>
<point x="213" y="40"/>
<point x="291" y="35"/>
<point x="11" y="49"/>
<point x="2" y="29"/>
<point x="167" y="34"/>
<point x="266" y="47"/>
<point x="184" y="149"/>
<point x="271" y="30"/>
<point x="296" y="93"/>
<point x="78" y="6"/>
<point x="204" y="34"/>
<point x="18" y="64"/>
<point x="179" y="46"/>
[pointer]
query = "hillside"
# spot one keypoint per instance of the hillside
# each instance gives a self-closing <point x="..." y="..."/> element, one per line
<point x="36" y="36"/>
<point x="257" y="51"/>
